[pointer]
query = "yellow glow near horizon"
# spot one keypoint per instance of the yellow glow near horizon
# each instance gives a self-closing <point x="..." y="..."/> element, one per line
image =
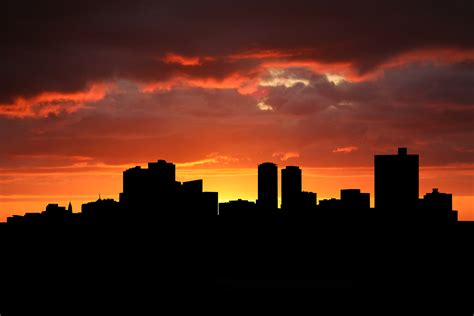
<point x="231" y="183"/>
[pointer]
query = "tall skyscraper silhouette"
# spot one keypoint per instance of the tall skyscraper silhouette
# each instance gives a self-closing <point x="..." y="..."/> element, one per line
<point x="396" y="181"/>
<point x="291" y="187"/>
<point x="267" y="186"/>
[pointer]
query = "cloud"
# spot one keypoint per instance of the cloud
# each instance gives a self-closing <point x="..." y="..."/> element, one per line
<point x="180" y="124"/>
<point x="345" y="150"/>
<point x="171" y="58"/>
<point x="213" y="158"/>
<point x="145" y="79"/>
<point x="161" y="42"/>
<point x="264" y="106"/>
<point x="52" y="103"/>
<point x="274" y="77"/>
<point x="284" y="156"/>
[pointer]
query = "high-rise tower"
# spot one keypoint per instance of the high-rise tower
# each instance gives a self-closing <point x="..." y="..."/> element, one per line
<point x="291" y="187"/>
<point x="396" y="181"/>
<point x="267" y="186"/>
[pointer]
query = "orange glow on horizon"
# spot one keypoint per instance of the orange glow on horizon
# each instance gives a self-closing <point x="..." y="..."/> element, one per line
<point x="231" y="183"/>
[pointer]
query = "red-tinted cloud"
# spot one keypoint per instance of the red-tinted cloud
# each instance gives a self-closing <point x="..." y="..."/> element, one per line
<point x="49" y="46"/>
<point x="52" y="103"/>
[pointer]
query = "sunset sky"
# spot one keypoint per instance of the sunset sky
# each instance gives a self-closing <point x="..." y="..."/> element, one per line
<point x="91" y="88"/>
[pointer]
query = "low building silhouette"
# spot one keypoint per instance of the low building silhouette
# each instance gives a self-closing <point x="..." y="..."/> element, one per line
<point x="28" y="218"/>
<point x="353" y="199"/>
<point x="193" y="202"/>
<point x="352" y="205"/>
<point x="438" y="207"/>
<point x="238" y="208"/>
<point x="209" y="202"/>
<point x="331" y="204"/>
<point x="308" y="201"/>
<point x="101" y="211"/>
<point x="52" y="215"/>
<point x="192" y="187"/>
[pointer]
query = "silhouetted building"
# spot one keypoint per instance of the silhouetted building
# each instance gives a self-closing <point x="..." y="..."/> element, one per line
<point x="308" y="200"/>
<point x="437" y="200"/>
<point x="28" y="218"/>
<point x="267" y="186"/>
<point x="151" y="194"/>
<point x="330" y="204"/>
<point x="133" y="183"/>
<point x="53" y="215"/>
<point x="438" y="207"/>
<point x="192" y="201"/>
<point x="237" y="208"/>
<point x="396" y="181"/>
<point x="192" y="187"/>
<point x="291" y="188"/>
<point x="153" y="187"/>
<point x="55" y="210"/>
<point x="155" y="192"/>
<point x="353" y="206"/>
<point x="353" y="199"/>
<point x="57" y="214"/>
<point x="209" y="204"/>
<point x="101" y="210"/>
<point x="15" y="219"/>
<point x="163" y="173"/>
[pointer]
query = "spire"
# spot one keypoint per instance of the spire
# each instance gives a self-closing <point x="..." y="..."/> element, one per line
<point x="69" y="208"/>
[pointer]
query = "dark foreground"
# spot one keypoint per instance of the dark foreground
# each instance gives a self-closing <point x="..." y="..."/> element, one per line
<point x="356" y="260"/>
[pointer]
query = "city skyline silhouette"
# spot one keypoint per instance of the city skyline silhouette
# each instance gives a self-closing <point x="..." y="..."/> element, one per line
<point x="152" y="148"/>
<point x="339" y="243"/>
<point x="153" y="193"/>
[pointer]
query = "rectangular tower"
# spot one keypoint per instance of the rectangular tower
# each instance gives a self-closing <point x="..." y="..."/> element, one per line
<point x="267" y="186"/>
<point x="396" y="181"/>
<point x="291" y="187"/>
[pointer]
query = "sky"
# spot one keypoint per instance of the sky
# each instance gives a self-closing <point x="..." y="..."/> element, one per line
<point x="91" y="88"/>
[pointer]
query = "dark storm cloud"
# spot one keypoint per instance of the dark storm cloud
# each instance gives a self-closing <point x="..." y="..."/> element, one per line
<point x="426" y="107"/>
<point x="63" y="46"/>
<point x="426" y="84"/>
<point x="451" y="84"/>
